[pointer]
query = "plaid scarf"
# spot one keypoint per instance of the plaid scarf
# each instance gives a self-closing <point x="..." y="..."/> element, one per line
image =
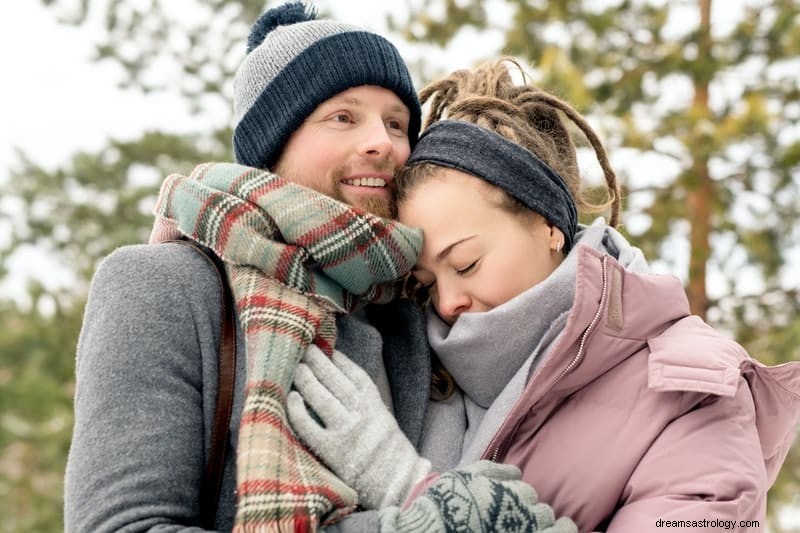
<point x="294" y="259"/>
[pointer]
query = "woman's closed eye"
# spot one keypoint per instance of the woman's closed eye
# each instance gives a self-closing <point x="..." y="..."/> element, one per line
<point x="466" y="269"/>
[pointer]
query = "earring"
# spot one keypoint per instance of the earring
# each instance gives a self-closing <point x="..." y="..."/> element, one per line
<point x="557" y="249"/>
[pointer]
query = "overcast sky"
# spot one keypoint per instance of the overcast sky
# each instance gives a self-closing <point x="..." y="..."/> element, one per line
<point x="54" y="100"/>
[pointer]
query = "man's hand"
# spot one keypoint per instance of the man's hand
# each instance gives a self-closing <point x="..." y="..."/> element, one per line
<point x="359" y="438"/>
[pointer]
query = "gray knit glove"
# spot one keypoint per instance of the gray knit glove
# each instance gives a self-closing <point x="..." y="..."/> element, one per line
<point x="360" y="440"/>
<point x="483" y="496"/>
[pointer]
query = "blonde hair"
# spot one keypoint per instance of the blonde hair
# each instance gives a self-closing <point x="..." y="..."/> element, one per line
<point x="488" y="97"/>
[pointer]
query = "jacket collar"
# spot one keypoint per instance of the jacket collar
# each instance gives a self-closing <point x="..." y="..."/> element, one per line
<point x="616" y="313"/>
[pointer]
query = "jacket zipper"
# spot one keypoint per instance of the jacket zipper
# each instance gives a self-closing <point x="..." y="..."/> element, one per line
<point x="575" y="359"/>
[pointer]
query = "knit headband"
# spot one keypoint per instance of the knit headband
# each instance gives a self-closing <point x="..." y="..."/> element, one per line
<point x="487" y="155"/>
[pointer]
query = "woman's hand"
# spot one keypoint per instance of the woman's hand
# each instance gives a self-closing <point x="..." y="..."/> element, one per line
<point x="483" y="496"/>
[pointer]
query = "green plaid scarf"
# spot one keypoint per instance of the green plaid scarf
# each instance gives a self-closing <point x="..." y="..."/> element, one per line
<point x="294" y="259"/>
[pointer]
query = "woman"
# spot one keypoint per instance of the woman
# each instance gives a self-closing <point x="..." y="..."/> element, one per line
<point x="567" y="358"/>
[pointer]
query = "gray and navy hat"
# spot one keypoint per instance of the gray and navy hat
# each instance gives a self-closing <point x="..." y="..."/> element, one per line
<point x="294" y="63"/>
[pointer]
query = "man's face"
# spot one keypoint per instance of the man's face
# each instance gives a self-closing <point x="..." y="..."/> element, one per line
<point x="350" y="147"/>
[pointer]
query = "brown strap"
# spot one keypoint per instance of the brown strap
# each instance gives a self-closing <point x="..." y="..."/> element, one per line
<point x="226" y="374"/>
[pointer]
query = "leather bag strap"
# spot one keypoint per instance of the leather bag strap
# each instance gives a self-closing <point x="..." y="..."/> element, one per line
<point x="226" y="376"/>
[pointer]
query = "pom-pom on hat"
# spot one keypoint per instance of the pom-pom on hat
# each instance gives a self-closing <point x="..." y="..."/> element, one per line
<point x="294" y="63"/>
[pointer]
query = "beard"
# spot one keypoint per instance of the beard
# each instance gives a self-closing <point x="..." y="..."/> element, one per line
<point x="332" y="186"/>
<point x="381" y="207"/>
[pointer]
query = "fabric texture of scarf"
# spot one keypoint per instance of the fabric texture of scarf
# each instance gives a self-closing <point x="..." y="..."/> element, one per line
<point x="294" y="258"/>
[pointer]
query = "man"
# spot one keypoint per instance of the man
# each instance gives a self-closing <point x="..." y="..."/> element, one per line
<point x="331" y="108"/>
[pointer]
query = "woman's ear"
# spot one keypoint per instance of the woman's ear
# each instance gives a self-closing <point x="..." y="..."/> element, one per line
<point x="556" y="240"/>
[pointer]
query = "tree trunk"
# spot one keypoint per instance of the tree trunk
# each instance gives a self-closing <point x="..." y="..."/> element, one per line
<point x="700" y="192"/>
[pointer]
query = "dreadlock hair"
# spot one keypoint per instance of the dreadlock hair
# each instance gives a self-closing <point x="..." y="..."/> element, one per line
<point x="527" y="115"/>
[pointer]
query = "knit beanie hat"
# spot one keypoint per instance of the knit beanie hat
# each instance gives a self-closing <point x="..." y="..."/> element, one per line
<point x="294" y="63"/>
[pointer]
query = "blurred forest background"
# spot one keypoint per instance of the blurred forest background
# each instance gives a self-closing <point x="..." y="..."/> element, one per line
<point x="698" y="104"/>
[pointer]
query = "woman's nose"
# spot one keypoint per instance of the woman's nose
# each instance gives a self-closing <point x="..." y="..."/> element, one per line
<point x="451" y="302"/>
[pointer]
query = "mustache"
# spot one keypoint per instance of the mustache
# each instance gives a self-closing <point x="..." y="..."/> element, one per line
<point x="385" y="166"/>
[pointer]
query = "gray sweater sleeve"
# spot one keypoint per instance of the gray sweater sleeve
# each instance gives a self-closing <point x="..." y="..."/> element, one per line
<point x="145" y="382"/>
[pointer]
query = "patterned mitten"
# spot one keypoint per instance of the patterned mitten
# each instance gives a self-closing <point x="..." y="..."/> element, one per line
<point x="484" y="496"/>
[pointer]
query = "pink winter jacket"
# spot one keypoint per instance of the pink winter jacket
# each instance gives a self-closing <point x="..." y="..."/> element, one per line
<point x="641" y="413"/>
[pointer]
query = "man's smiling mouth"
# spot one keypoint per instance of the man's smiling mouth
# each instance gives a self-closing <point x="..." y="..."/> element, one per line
<point x="365" y="182"/>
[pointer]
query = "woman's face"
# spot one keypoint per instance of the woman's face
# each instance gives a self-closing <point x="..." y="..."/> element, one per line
<point x="476" y="255"/>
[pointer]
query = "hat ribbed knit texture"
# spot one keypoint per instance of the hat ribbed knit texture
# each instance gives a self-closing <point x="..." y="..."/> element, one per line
<point x="299" y="64"/>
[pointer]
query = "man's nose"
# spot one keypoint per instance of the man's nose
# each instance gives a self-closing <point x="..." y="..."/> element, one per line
<point x="376" y="141"/>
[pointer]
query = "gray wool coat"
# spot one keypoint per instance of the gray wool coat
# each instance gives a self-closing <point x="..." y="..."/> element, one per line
<point x="146" y="375"/>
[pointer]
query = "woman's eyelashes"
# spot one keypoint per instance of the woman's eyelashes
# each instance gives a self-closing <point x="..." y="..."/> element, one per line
<point x="427" y="284"/>
<point x="466" y="269"/>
